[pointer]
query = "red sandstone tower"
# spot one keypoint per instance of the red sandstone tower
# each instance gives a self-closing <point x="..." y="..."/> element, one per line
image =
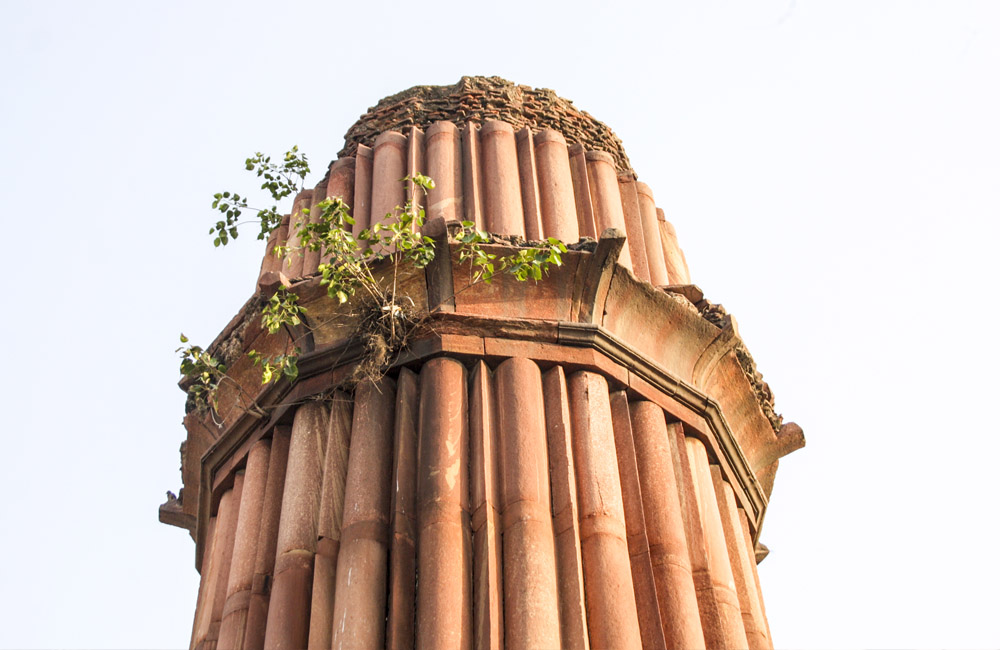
<point x="580" y="462"/>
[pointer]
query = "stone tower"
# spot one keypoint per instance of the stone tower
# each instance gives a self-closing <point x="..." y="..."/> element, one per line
<point x="582" y="461"/>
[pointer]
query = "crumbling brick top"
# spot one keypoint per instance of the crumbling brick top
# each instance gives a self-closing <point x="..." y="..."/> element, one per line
<point x="477" y="99"/>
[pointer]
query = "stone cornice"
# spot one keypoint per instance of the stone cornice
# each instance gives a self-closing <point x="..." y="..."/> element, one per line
<point x="588" y="314"/>
<point x="598" y="338"/>
<point x="324" y="369"/>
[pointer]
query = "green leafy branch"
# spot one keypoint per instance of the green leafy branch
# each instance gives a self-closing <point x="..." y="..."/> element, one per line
<point x="205" y="373"/>
<point x="347" y="269"/>
<point x="281" y="309"/>
<point x="281" y="179"/>
<point x="396" y="236"/>
<point x="273" y="368"/>
<point x="527" y="263"/>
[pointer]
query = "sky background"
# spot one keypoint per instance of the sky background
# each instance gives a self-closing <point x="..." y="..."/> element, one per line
<point x="832" y="169"/>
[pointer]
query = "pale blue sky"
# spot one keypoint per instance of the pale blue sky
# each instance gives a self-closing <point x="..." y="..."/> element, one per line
<point x="832" y="169"/>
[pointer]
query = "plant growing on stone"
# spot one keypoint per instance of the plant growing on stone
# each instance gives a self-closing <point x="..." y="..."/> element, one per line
<point x="281" y="179"/>
<point x="204" y="371"/>
<point x="348" y="270"/>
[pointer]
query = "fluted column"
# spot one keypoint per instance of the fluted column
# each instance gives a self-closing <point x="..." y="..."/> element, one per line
<point x="472" y="176"/>
<point x="748" y="548"/>
<point x="531" y="618"/>
<point x="739" y="560"/>
<point x="362" y="565"/>
<point x="362" y="208"/>
<point x="611" y="613"/>
<point x="668" y="547"/>
<point x="206" y="587"/>
<point x="293" y="264"/>
<point x="565" y="510"/>
<point x="633" y="226"/>
<point x="311" y="258"/>
<point x="444" y="593"/>
<point x="291" y="595"/>
<point x="403" y="523"/>
<point x="608" y="201"/>
<point x="528" y="174"/>
<point x="673" y="256"/>
<point x="388" y="168"/>
<point x="225" y="531"/>
<point x="484" y="467"/>
<point x="415" y="162"/>
<point x="270" y="262"/>
<point x="444" y="165"/>
<point x="341" y="185"/>
<point x="658" y="275"/>
<point x="721" y="617"/>
<point x="267" y="539"/>
<point x="504" y="212"/>
<point x="331" y="513"/>
<point x="555" y="187"/>
<point x="643" y="583"/>
<point x="581" y="192"/>
<point x="234" y="619"/>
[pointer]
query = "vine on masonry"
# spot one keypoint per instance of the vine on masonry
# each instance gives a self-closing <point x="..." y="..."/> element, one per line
<point x="348" y="271"/>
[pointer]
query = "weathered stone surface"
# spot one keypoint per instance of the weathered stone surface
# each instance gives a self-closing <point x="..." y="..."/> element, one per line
<point x="267" y="539"/>
<point x="611" y="609"/>
<point x="362" y="208"/>
<point x="331" y="513"/>
<point x="290" y="603"/>
<point x="444" y="592"/>
<point x="478" y="99"/>
<point x="292" y="265"/>
<point x="362" y="565"/>
<point x="608" y="213"/>
<point x="581" y="192"/>
<point x="739" y="561"/>
<point x="529" y="185"/>
<point x="403" y="524"/>
<point x="444" y="165"/>
<point x="484" y="470"/>
<point x="650" y="233"/>
<point x="668" y="545"/>
<point x="501" y="182"/>
<point x="517" y="508"/>
<point x="531" y="601"/>
<point x="650" y="625"/>
<point x="555" y="186"/>
<point x="642" y="265"/>
<point x="388" y="168"/>
<point x="565" y="510"/>
<point x="721" y="617"/>
<point x="341" y="180"/>
<point x="233" y="629"/>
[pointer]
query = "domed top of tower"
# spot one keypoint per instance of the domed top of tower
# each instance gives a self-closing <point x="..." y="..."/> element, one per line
<point x="478" y="99"/>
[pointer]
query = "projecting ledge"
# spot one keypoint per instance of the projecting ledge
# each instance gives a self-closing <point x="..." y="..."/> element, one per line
<point x="589" y="313"/>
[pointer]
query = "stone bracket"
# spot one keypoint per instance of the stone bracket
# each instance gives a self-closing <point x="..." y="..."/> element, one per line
<point x="592" y="291"/>
<point x="726" y="341"/>
<point x="438" y="274"/>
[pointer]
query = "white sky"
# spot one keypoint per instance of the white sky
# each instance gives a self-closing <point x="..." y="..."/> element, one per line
<point x="832" y="170"/>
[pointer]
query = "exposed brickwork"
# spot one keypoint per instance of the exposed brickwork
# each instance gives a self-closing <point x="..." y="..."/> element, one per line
<point x="477" y="99"/>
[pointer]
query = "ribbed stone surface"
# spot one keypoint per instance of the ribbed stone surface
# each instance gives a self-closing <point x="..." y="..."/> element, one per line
<point x="478" y="99"/>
